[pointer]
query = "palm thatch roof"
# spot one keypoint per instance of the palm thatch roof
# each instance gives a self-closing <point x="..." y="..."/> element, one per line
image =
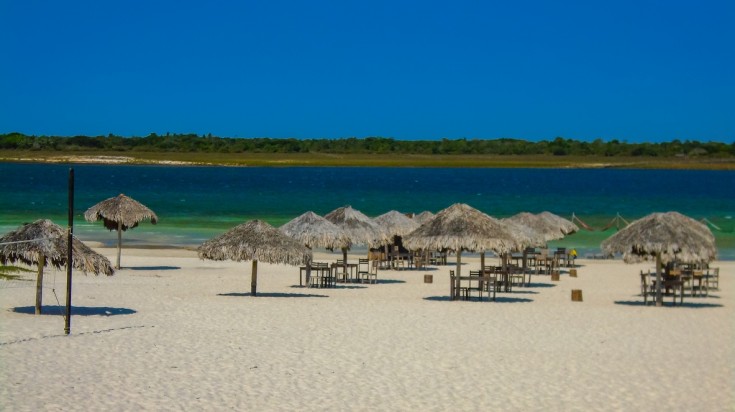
<point x="44" y="237"/>
<point x="463" y="227"/>
<point x="566" y="226"/>
<point x="120" y="212"/>
<point x="527" y="236"/>
<point x="360" y="228"/>
<point x="671" y="236"/>
<point x="548" y="225"/>
<point x="255" y="240"/>
<point x="423" y="217"/>
<point x="395" y="223"/>
<point x="313" y="230"/>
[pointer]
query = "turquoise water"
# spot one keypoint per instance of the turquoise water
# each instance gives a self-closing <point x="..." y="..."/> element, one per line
<point x="196" y="203"/>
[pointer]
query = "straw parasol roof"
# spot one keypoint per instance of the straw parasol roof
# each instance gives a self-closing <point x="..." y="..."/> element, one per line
<point x="313" y="230"/>
<point x="665" y="237"/>
<point x="462" y="227"/>
<point x="670" y="236"/>
<point x="548" y="225"/>
<point x="565" y="226"/>
<point x="423" y="217"/>
<point x="395" y="223"/>
<point x="120" y="213"/>
<point x="44" y="243"/>
<point x="527" y="236"/>
<point x="360" y="228"/>
<point x="256" y="241"/>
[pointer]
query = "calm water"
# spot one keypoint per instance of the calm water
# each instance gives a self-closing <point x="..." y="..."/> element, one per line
<point x="196" y="203"/>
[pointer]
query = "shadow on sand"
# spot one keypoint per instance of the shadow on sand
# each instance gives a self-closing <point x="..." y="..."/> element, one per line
<point x="152" y="268"/>
<point x="693" y="305"/>
<point x="540" y="285"/>
<point x="75" y="310"/>
<point x="498" y="299"/>
<point x="275" y="295"/>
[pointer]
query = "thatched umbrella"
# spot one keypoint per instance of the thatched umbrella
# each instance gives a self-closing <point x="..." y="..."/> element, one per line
<point x="359" y="228"/>
<point x="395" y="224"/>
<point x="120" y="213"/>
<point x="423" y="217"/>
<point x="663" y="237"/>
<point x="547" y="224"/>
<point x="462" y="227"/>
<point x="255" y="240"/>
<point x="42" y="243"/>
<point x="313" y="230"/>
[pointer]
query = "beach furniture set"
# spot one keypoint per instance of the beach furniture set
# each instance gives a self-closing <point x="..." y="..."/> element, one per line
<point x="678" y="280"/>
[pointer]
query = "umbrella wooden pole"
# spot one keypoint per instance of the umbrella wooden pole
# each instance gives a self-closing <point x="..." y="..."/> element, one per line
<point x="482" y="263"/>
<point x="308" y="269"/>
<point x="39" y="282"/>
<point x="119" y="243"/>
<point x="459" y="271"/>
<point x="344" y="261"/>
<point x="659" y="298"/>
<point x="254" y="279"/>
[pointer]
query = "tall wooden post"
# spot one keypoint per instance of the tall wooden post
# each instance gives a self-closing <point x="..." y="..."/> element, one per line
<point x="254" y="279"/>
<point x="69" y="253"/>
<point x="39" y="282"/>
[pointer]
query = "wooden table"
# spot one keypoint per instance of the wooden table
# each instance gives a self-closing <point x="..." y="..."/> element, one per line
<point x="465" y="289"/>
<point x="351" y="270"/>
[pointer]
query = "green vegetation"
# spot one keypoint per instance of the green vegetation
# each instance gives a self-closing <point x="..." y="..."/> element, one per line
<point x="374" y="151"/>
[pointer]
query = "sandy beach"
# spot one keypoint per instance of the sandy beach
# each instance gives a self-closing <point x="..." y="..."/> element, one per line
<point x="172" y="332"/>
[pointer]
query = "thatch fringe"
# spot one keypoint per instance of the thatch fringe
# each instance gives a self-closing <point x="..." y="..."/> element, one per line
<point x="53" y="247"/>
<point x="671" y="235"/>
<point x="461" y="227"/>
<point x="395" y="223"/>
<point x="129" y="212"/>
<point x="255" y="240"/>
<point x="313" y="230"/>
<point x="360" y="228"/>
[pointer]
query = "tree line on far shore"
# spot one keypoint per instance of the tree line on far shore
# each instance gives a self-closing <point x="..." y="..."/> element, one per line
<point x="370" y="145"/>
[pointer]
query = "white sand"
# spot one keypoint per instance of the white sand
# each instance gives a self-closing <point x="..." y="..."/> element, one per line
<point x="180" y="335"/>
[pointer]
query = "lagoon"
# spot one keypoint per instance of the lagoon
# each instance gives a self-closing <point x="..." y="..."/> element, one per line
<point x="196" y="203"/>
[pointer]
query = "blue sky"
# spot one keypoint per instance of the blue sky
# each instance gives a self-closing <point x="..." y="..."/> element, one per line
<point x="627" y="70"/>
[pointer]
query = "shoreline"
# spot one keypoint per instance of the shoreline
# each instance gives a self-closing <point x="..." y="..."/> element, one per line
<point x="367" y="160"/>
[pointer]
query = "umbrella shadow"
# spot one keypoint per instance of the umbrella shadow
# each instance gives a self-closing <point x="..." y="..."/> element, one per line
<point x="498" y="299"/>
<point x="275" y="295"/>
<point x="389" y="281"/>
<point x="693" y="305"/>
<point x="523" y="292"/>
<point x="540" y="285"/>
<point x="75" y="310"/>
<point x="153" y="268"/>
<point x="342" y="286"/>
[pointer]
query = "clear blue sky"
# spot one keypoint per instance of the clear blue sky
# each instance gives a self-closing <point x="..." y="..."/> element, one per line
<point x="628" y="70"/>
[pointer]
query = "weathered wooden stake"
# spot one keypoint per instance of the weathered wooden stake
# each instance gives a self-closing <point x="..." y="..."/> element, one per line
<point x="555" y="276"/>
<point x="573" y="273"/>
<point x="69" y="253"/>
<point x="576" y="295"/>
<point x="428" y="278"/>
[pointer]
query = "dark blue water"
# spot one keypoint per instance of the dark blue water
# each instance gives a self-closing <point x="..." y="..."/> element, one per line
<point x="195" y="203"/>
